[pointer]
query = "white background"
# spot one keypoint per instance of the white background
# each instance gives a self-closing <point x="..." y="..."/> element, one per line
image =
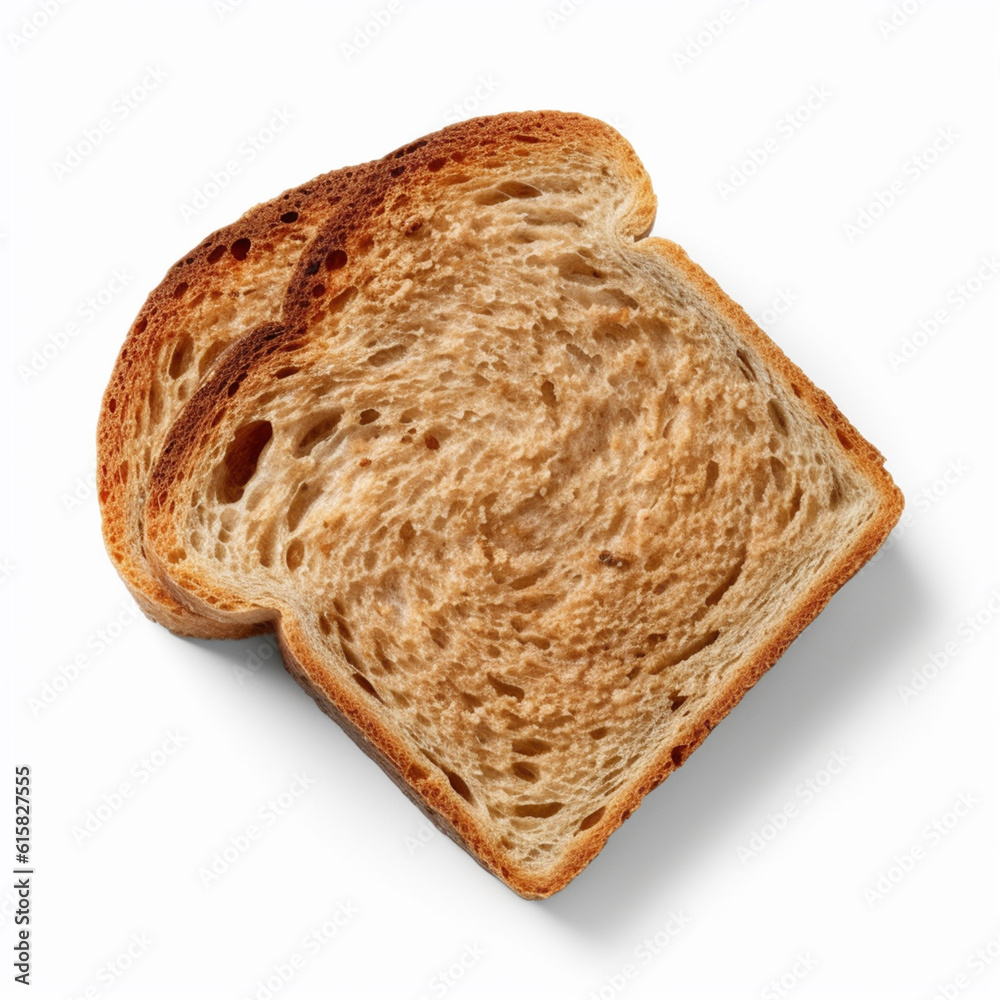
<point x="802" y="915"/>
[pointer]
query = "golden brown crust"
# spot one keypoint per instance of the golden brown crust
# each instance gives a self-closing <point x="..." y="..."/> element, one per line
<point x="323" y="273"/>
<point x="223" y="266"/>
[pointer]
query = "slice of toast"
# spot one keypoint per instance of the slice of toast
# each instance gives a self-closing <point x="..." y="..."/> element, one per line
<point x="230" y="283"/>
<point x="528" y="500"/>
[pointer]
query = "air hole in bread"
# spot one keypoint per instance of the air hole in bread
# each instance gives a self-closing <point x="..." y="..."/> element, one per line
<point x="593" y="819"/>
<point x="503" y="688"/>
<point x="290" y="217"/>
<point x="574" y="267"/>
<point x="155" y="410"/>
<point x="778" y="470"/>
<point x="793" y="507"/>
<point x="526" y="138"/>
<point x="745" y="367"/>
<point x="295" y="553"/>
<point x="265" y="545"/>
<point x="531" y="747"/>
<point x="366" y="685"/>
<point x="182" y="357"/>
<point x="676" y="700"/>
<point x="777" y="415"/>
<point x="677" y="755"/>
<point x="112" y="405"/>
<point x="387" y="355"/>
<point x="687" y="652"/>
<point x="469" y="701"/>
<point x="599" y="733"/>
<point x="538" y="810"/>
<point x="335" y="260"/>
<point x="286" y="372"/>
<point x="431" y="442"/>
<point x="241" y="458"/>
<point x="211" y="353"/>
<point x="551" y="217"/>
<point x="458" y="784"/>
<point x="321" y="429"/>
<point x="518" y="189"/>
<point x="711" y="475"/>
<point x="528" y="579"/>
<point x="216" y="255"/>
<point x="836" y="492"/>
<point x="368" y="416"/>
<point x="339" y="301"/>
<point x="492" y="196"/>
<point x="844" y="439"/>
<point x="549" y="394"/>
<point x="180" y="289"/>
<point x="240" y="248"/>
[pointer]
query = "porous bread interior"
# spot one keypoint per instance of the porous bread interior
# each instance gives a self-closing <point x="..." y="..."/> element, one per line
<point x="526" y="492"/>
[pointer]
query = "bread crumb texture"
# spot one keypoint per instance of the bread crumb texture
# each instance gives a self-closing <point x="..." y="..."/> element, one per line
<point x="528" y="499"/>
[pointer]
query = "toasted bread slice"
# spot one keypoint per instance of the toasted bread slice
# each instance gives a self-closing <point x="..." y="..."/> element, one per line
<point x="230" y="283"/>
<point x="528" y="500"/>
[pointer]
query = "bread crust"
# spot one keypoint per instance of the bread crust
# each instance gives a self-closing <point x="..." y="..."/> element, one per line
<point x="349" y="228"/>
<point x="225" y="263"/>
